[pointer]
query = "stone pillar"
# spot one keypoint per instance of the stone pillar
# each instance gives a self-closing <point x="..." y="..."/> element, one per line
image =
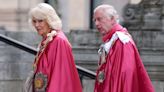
<point x="78" y="14"/>
<point x="63" y="10"/>
<point x="162" y="17"/>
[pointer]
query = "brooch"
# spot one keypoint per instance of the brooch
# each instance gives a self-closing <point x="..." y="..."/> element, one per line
<point x="40" y="82"/>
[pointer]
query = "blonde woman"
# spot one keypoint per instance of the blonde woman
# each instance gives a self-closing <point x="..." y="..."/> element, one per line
<point x="54" y="67"/>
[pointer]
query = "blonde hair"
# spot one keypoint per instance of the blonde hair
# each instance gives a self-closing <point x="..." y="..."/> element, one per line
<point x="108" y="10"/>
<point x="47" y="12"/>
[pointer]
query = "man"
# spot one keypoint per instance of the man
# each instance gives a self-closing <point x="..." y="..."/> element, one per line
<point x="120" y="67"/>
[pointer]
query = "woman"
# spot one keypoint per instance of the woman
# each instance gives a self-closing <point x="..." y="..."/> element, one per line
<point x="54" y="67"/>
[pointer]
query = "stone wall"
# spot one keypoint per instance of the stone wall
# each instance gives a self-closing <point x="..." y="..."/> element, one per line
<point x="15" y="63"/>
<point x="14" y="14"/>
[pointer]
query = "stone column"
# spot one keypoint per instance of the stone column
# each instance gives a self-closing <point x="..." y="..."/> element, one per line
<point x="162" y="18"/>
<point x="64" y="11"/>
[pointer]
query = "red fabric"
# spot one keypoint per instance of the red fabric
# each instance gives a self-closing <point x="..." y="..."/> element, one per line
<point x="57" y="63"/>
<point x="115" y="28"/>
<point x="124" y="70"/>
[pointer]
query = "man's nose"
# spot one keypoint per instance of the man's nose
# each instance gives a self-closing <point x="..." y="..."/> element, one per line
<point x="96" y="23"/>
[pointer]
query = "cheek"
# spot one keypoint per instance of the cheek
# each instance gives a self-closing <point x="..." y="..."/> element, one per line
<point x="107" y="25"/>
<point x="33" y="24"/>
<point x="104" y="25"/>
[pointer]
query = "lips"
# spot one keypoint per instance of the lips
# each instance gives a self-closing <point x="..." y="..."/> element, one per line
<point x="38" y="29"/>
<point x="99" y="28"/>
<point x="101" y="31"/>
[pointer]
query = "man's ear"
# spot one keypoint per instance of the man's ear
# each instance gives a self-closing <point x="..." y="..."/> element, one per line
<point x="112" y="18"/>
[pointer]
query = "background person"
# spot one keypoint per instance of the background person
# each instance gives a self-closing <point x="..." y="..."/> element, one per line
<point x="120" y="67"/>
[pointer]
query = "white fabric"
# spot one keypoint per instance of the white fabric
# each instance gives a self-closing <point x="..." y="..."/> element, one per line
<point x="28" y="86"/>
<point x="109" y="44"/>
<point x="122" y="36"/>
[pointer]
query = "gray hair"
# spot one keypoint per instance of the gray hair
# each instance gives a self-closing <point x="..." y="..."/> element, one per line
<point x="108" y="10"/>
<point x="47" y="12"/>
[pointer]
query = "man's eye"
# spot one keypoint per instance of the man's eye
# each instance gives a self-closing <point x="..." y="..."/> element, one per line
<point x="98" y="19"/>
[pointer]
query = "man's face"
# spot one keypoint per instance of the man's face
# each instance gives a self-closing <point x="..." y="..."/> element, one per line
<point x="103" y="22"/>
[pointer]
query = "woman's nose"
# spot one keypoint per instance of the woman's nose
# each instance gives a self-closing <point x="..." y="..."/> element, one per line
<point x="36" y="24"/>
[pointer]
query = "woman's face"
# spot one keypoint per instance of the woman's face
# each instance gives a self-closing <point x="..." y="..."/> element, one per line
<point x="41" y="26"/>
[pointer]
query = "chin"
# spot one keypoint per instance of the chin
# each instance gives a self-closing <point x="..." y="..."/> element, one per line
<point x="40" y="34"/>
<point x="102" y="34"/>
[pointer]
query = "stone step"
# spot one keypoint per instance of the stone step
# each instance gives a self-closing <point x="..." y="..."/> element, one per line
<point x="84" y="37"/>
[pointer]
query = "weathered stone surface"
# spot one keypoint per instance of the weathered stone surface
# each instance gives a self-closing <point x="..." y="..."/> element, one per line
<point x="144" y="16"/>
<point x="88" y="85"/>
<point x="84" y="38"/>
<point x="11" y="85"/>
<point x="158" y="85"/>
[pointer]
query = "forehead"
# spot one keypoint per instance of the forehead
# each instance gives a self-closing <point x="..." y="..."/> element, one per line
<point x="38" y="16"/>
<point x="99" y="13"/>
<point x="34" y="18"/>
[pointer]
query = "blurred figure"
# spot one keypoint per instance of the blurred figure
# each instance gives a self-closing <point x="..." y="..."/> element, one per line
<point x="54" y="67"/>
<point x="120" y="67"/>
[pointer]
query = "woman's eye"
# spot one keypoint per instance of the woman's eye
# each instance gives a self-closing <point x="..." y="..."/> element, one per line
<point x="40" y="20"/>
<point x="34" y="21"/>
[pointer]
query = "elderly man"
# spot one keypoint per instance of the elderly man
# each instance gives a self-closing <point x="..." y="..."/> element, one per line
<point x="120" y="67"/>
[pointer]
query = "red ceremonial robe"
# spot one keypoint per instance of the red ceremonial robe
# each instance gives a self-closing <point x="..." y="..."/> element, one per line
<point x="123" y="69"/>
<point x="56" y="69"/>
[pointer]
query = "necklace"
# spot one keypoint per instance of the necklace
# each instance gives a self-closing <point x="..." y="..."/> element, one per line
<point x="42" y="47"/>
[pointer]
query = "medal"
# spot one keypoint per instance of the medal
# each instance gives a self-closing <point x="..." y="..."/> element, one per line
<point x="40" y="82"/>
<point x="101" y="76"/>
